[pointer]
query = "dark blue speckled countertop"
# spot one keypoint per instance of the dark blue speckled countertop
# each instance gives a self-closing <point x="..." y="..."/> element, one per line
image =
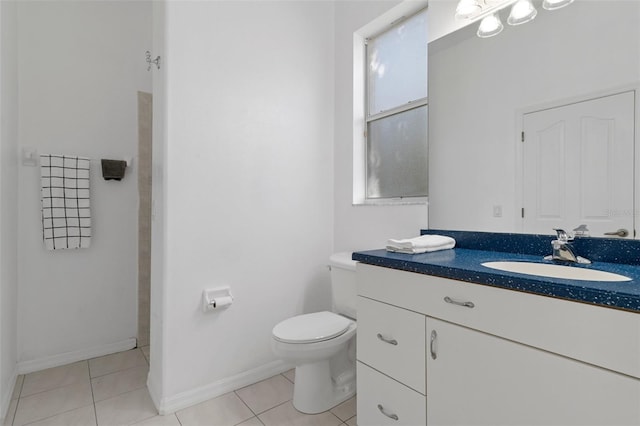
<point x="464" y="263"/>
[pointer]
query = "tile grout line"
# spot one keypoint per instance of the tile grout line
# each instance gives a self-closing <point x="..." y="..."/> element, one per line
<point x="122" y="370"/>
<point x="256" y="417"/>
<point x="177" y="418"/>
<point x="49" y="389"/>
<point x="93" y="397"/>
<point x="246" y="405"/>
<point x="121" y="392"/>
<point x="276" y="406"/>
<point x="146" y="362"/>
<point x="263" y="411"/>
<point x="283" y="375"/>
<point x="339" y="419"/>
<point x="13" y="419"/>
<point x="53" y="415"/>
<point x="119" y="370"/>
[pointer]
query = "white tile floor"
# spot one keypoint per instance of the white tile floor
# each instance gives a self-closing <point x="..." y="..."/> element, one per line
<point x="111" y="390"/>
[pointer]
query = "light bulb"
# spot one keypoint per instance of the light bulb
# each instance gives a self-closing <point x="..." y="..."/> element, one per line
<point x="522" y="12"/>
<point x="555" y="4"/>
<point x="490" y="26"/>
<point x="467" y="8"/>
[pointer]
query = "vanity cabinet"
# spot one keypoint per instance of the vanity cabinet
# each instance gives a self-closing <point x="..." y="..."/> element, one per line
<point x="489" y="356"/>
<point x="480" y="379"/>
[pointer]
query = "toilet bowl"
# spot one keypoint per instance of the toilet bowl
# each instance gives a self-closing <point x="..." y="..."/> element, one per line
<point x="321" y="345"/>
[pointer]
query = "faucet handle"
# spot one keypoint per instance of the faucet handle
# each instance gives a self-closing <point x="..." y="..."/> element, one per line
<point x="562" y="235"/>
<point x="581" y="231"/>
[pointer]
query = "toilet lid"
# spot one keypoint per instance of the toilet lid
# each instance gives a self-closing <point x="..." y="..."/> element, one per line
<point x="310" y="328"/>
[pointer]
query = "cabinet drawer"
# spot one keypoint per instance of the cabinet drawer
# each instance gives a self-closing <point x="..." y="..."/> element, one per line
<point x="601" y="336"/>
<point x="380" y="398"/>
<point x="392" y="340"/>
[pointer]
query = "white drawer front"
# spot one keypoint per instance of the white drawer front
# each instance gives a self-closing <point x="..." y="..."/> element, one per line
<point x="601" y="336"/>
<point x="392" y="340"/>
<point x="380" y="398"/>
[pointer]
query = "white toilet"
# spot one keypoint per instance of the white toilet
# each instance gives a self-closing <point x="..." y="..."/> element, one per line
<point x="322" y="344"/>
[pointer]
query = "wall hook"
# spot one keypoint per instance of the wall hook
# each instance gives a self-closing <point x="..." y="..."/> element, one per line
<point x="154" y="61"/>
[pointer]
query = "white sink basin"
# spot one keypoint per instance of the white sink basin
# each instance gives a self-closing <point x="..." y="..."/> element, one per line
<point x="556" y="271"/>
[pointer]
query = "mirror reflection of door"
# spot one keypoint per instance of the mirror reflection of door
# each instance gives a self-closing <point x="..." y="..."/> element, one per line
<point x="578" y="165"/>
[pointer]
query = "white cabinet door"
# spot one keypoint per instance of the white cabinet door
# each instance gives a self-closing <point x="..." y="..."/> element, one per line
<point x="578" y="166"/>
<point x="475" y="378"/>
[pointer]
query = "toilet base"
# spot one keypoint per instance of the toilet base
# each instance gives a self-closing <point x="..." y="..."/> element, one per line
<point x="315" y="391"/>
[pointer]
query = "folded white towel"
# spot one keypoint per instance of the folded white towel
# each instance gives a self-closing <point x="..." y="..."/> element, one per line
<point x="422" y="244"/>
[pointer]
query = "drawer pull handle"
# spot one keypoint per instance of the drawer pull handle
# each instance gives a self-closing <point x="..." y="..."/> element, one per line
<point x="455" y="302"/>
<point x="433" y="344"/>
<point x="393" y="342"/>
<point x="391" y="416"/>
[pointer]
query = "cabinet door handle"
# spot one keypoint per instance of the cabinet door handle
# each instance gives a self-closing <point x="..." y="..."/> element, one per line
<point x="393" y="342"/>
<point x="455" y="302"/>
<point x="433" y="344"/>
<point x="391" y="416"/>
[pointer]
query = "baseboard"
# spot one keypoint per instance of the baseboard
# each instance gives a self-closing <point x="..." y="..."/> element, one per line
<point x="5" y="402"/>
<point x="191" y="397"/>
<point x="25" y="367"/>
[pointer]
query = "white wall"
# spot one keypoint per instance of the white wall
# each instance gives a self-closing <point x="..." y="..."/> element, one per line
<point x="81" y="65"/>
<point x="360" y="227"/>
<point x="477" y="86"/>
<point x="248" y="187"/>
<point x="8" y="202"/>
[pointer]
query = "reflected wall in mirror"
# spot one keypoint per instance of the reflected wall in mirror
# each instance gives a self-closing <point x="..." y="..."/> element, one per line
<point x="481" y="89"/>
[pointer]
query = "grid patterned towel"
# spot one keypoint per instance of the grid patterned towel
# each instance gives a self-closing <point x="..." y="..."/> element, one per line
<point x="66" y="217"/>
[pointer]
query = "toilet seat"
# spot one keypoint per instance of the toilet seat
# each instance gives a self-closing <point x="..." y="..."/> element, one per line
<point x="311" y="328"/>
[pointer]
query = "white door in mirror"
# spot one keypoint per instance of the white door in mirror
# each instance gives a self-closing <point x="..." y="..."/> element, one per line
<point x="577" y="160"/>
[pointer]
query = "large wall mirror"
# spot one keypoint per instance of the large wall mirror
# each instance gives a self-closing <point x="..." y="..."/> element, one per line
<point x="483" y="92"/>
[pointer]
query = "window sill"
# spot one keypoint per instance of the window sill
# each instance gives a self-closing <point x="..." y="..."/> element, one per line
<point x="413" y="201"/>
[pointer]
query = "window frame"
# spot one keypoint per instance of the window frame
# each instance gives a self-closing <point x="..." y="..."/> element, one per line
<point x="360" y="180"/>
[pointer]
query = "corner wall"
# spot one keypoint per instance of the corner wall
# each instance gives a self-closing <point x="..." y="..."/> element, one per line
<point x="159" y="243"/>
<point x="81" y="65"/>
<point x="8" y="202"/>
<point x="247" y="188"/>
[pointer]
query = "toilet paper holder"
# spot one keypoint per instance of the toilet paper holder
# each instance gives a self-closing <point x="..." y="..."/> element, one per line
<point x="216" y="298"/>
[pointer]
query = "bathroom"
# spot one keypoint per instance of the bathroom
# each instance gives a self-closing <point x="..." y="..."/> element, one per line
<point x="252" y="182"/>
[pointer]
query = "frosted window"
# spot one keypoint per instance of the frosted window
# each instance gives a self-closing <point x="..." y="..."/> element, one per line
<point x="397" y="155"/>
<point x="397" y="65"/>
<point x="396" y="136"/>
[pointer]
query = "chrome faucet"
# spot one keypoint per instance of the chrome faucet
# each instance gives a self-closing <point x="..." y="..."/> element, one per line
<point x="563" y="250"/>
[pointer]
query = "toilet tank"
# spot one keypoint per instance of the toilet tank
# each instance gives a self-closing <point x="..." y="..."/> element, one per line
<point x="343" y="284"/>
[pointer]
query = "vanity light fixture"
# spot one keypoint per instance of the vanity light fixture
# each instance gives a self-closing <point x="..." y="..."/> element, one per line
<point x="555" y="4"/>
<point x="522" y="12"/>
<point x="490" y="26"/>
<point x="468" y="8"/>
